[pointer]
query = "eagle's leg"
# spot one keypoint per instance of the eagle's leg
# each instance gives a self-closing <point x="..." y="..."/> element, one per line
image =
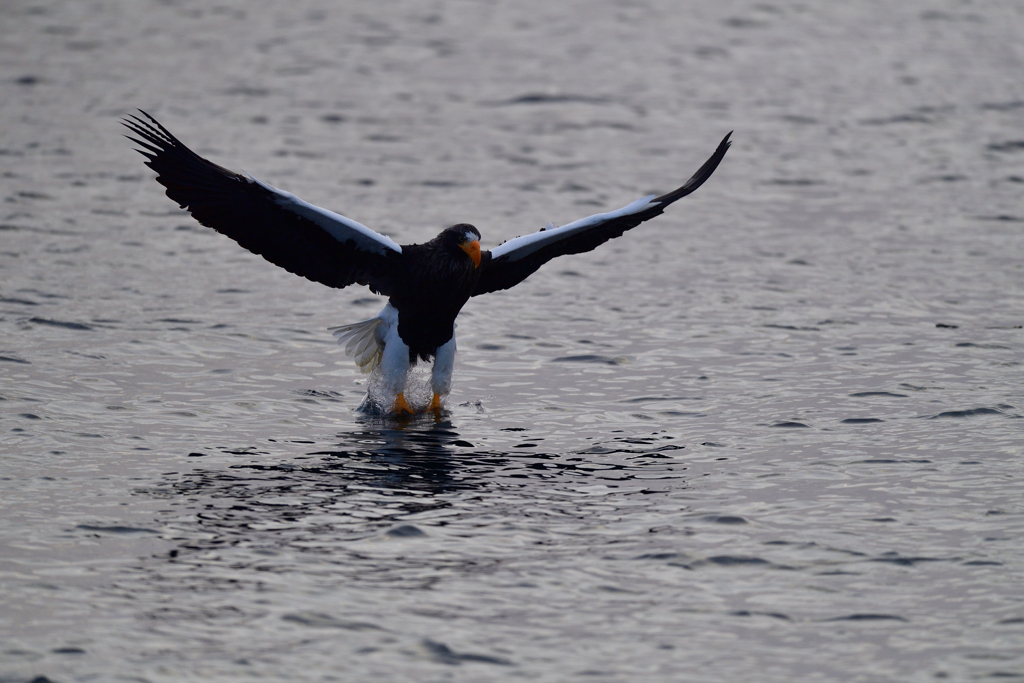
<point x="394" y="366"/>
<point x="441" y="375"/>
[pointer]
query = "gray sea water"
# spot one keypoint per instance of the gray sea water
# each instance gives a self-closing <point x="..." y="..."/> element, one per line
<point x="772" y="435"/>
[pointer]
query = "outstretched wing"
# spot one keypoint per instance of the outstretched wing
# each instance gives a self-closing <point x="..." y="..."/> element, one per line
<point x="515" y="260"/>
<point x="304" y="239"/>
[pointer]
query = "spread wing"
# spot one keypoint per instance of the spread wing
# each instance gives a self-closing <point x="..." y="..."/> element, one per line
<point x="304" y="239"/>
<point x="515" y="260"/>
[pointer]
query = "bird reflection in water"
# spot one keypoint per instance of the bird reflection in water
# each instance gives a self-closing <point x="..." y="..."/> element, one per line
<point x="415" y="453"/>
<point x="369" y="483"/>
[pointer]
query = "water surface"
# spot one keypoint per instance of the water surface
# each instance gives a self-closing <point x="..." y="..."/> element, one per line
<point x="774" y="434"/>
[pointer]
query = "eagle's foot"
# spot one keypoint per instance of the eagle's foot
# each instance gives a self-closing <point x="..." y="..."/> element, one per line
<point x="435" y="404"/>
<point x="401" y="406"/>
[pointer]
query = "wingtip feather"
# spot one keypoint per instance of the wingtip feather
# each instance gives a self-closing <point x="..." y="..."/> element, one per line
<point x="702" y="174"/>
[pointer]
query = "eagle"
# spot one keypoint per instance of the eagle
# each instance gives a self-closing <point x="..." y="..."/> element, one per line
<point x="426" y="284"/>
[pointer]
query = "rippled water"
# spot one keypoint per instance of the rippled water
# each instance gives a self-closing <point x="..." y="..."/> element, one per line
<point x="774" y="434"/>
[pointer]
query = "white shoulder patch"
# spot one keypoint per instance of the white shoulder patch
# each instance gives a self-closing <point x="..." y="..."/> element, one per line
<point x="339" y="227"/>
<point x="520" y="247"/>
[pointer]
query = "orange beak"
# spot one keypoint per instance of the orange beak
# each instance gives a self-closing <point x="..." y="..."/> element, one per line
<point x="472" y="249"/>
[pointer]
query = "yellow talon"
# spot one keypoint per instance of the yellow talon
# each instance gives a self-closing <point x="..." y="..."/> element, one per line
<point x="435" y="403"/>
<point x="401" y="406"/>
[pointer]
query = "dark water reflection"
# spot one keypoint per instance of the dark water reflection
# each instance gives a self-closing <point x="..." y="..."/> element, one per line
<point x="376" y="478"/>
<point x="367" y="480"/>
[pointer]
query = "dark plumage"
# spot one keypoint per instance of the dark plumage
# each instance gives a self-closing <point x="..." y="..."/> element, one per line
<point x="427" y="284"/>
<point x="246" y="211"/>
<point x="506" y="271"/>
<point x="433" y="282"/>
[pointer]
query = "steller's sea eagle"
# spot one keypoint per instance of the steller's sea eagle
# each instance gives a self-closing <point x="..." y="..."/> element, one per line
<point x="426" y="284"/>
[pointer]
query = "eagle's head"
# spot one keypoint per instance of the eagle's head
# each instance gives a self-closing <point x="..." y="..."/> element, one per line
<point x="462" y="238"/>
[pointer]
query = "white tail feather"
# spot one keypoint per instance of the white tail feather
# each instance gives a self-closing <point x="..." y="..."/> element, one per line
<point x="360" y="348"/>
<point x="364" y="341"/>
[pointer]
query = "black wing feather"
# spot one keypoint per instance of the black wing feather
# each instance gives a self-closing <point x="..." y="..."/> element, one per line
<point x="507" y="270"/>
<point x="245" y="211"/>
